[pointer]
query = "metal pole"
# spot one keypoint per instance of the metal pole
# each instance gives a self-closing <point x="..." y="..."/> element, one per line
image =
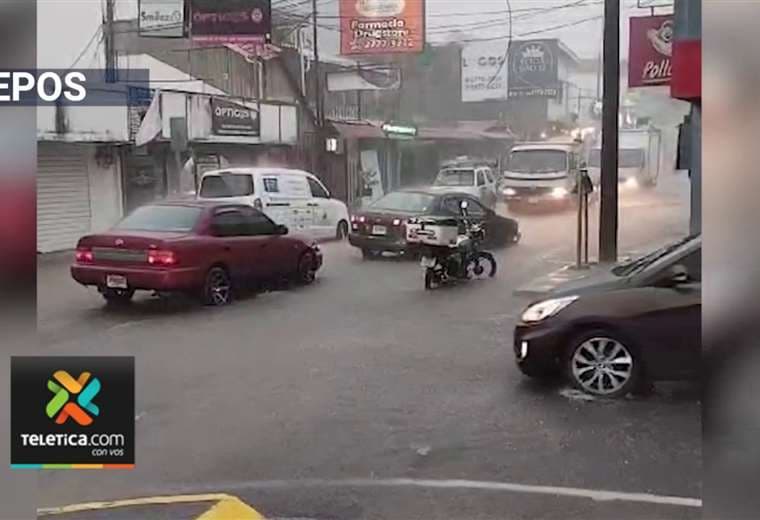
<point x="579" y="237"/>
<point x="108" y="43"/>
<point x="317" y="72"/>
<point x="608" y="214"/>
<point x="585" y="228"/>
<point x="319" y="116"/>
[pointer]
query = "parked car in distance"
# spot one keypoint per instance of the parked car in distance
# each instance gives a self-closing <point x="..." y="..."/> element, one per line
<point x="475" y="177"/>
<point x="639" y="321"/>
<point x="204" y="248"/>
<point x="294" y="198"/>
<point x="382" y="225"/>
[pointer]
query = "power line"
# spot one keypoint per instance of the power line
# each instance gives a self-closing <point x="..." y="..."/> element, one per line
<point x="530" y="33"/>
<point x="506" y="51"/>
<point x="86" y="47"/>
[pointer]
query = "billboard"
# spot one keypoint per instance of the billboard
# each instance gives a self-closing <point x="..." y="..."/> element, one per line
<point x="382" y="26"/>
<point x="485" y="72"/>
<point x="161" y="18"/>
<point x="230" y="21"/>
<point x="378" y="78"/>
<point x="228" y="118"/>
<point x="533" y="69"/>
<point x="650" y="50"/>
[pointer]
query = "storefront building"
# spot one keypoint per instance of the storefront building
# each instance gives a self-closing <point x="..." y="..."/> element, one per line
<point x="79" y="173"/>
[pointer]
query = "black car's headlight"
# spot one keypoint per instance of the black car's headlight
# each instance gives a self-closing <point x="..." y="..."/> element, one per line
<point x="544" y="309"/>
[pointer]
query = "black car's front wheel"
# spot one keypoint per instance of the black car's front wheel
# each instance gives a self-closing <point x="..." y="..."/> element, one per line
<point x="600" y="363"/>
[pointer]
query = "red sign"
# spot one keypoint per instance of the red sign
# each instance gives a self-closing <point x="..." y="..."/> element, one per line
<point x="687" y="70"/>
<point x="230" y="21"/>
<point x="382" y="26"/>
<point x="650" y="51"/>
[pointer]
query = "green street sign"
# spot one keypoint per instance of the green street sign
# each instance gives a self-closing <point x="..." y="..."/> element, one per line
<point x="399" y="130"/>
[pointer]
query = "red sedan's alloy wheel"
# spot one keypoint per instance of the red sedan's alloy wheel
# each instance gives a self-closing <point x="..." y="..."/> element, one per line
<point x="217" y="290"/>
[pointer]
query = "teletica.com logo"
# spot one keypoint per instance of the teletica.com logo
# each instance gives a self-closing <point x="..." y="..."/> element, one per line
<point x="63" y="405"/>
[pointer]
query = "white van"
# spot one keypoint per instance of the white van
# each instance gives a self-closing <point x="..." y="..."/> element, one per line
<point x="295" y="198"/>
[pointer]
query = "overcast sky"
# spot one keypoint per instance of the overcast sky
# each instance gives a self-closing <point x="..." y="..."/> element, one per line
<point x="65" y="27"/>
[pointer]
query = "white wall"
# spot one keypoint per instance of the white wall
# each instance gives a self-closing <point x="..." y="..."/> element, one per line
<point x="105" y="191"/>
<point x="85" y="124"/>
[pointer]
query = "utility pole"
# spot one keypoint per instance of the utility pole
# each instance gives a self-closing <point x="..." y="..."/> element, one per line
<point x="608" y="214"/>
<point x="110" y="50"/>
<point x="318" y="102"/>
<point x="318" y="105"/>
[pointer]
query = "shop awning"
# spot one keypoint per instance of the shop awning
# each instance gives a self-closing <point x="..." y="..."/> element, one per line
<point x="358" y="130"/>
<point x="458" y="131"/>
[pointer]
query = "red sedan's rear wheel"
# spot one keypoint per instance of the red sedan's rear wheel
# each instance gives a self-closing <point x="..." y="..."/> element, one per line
<point x="217" y="290"/>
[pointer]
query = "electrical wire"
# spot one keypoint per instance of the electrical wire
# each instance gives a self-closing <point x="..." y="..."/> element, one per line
<point x="86" y="47"/>
<point x="505" y="58"/>
<point x="530" y="33"/>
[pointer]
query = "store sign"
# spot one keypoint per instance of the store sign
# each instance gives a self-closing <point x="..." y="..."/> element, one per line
<point x="650" y="51"/>
<point x="382" y="26"/>
<point x="161" y="18"/>
<point x="533" y="70"/>
<point x="484" y="71"/>
<point x="230" y="21"/>
<point x="229" y="118"/>
<point x="399" y="130"/>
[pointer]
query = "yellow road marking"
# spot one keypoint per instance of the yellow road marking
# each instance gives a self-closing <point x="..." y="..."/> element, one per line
<point x="158" y="500"/>
<point x="231" y="509"/>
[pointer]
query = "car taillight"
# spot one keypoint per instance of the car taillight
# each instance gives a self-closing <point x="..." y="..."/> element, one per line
<point x="84" y="255"/>
<point x="157" y="257"/>
<point x="257" y="204"/>
<point x="362" y="219"/>
<point x="397" y="222"/>
<point x="353" y="218"/>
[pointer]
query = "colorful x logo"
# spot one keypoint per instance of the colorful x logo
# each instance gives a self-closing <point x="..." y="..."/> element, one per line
<point x="84" y="388"/>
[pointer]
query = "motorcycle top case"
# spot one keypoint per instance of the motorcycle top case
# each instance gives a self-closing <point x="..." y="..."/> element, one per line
<point x="432" y="231"/>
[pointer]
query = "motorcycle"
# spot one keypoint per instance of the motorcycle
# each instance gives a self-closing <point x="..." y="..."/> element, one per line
<point x="451" y="255"/>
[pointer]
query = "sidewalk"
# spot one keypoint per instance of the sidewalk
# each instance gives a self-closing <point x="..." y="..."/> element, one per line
<point x="545" y="284"/>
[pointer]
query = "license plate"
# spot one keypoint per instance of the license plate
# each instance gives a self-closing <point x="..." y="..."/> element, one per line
<point x="115" y="281"/>
<point x="379" y="230"/>
<point x="427" y="262"/>
<point x="532" y="200"/>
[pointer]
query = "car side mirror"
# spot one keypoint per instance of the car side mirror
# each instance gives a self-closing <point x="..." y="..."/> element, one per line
<point x="281" y="229"/>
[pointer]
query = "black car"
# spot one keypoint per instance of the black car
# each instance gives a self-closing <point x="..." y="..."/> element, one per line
<point x="638" y="321"/>
<point x="382" y="226"/>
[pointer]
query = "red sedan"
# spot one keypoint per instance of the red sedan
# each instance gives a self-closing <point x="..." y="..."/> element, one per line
<point x="206" y="248"/>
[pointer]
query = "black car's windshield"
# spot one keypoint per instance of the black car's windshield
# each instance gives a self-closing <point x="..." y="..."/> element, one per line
<point x="640" y="263"/>
<point x="161" y="218"/>
<point x="538" y="161"/>
<point x="226" y="185"/>
<point x="407" y="202"/>
<point x="455" y="178"/>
